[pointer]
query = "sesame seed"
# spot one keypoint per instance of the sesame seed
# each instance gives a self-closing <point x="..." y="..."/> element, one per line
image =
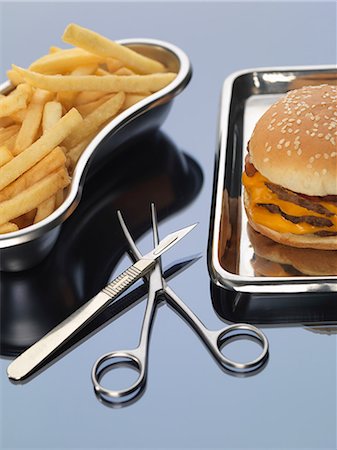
<point x="316" y="173"/>
<point x="324" y="172"/>
<point x="266" y="160"/>
<point x="311" y="159"/>
<point x="326" y="155"/>
<point x="279" y="147"/>
<point x="318" y="155"/>
<point x="287" y="144"/>
<point x="299" y="152"/>
<point x="289" y="152"/>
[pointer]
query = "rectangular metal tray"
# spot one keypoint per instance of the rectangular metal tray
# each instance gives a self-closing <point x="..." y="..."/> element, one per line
<point x="245" y="97"/>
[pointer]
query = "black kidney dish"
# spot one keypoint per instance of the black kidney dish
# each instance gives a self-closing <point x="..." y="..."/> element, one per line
<point x="91" y="242"/>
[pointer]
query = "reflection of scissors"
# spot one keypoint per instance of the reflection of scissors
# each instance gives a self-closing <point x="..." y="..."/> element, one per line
<point x="138" y="357"/>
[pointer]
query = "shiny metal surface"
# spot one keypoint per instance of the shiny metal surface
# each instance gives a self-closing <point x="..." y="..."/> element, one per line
<point x="245" y="97"/>
<point x="24" y="248"/>
<point x="35" y="355"/>
<point x="138" y="358"/>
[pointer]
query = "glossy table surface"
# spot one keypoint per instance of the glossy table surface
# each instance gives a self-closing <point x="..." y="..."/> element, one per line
<point x="188" y="402"/>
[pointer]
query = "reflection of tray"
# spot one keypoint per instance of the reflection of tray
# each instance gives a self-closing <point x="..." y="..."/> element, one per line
<point x="246" y="95"/>
<point x="91" y="242"/>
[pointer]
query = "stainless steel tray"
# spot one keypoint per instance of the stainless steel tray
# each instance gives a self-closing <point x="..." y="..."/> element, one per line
<point x="245" y="97"/>
<point x="25" y="248"/>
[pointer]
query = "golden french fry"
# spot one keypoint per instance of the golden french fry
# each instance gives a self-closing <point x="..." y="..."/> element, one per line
<point x="44" y="209"/>
<point x="64" y="61"/>
<point x="100" y="45"/>
<point x="94" y="120"/>
<point x="10" y="142"/>
<point x="6" y="122"/>
<point x="124" y="71"/>
<point x="73" y="155"/>
<point x="102" y="72"/>
<point x="15" y="101"/>
<point x="32" y="120"/>
<point x="113" y="64"/>
<point x="5" y="155"/>
<point x="132" y="99"/>
<point x="19" y="116"/>
<point x="88" y="97"/>
<point x="14" y="77"/>
<point x="109" y="83"/>
<point x="8" y="227"/>
<point x="53" y="161"/>
<point x="54" y="49"/>
<point x="6" y="133"/>
<point x="67" y="97"/>
<point x="52" y="113"/>
<point x="33" y="196"/>
<point x="59" y="196"/>
<point x="40" y="148"/>
<point x="88" y="108"/>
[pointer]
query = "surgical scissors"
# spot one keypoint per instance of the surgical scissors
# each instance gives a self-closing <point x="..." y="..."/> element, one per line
<point x="138" y="358"/>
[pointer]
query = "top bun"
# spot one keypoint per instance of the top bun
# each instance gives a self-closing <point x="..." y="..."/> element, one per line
<point x="294" y="144"/>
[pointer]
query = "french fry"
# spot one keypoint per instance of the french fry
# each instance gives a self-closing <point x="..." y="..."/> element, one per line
<point x="8" y="227"/>
<point x="59" y="198"/>
<point x="100" y="45"/>
<point x="33" y="196"/>
<point x="44" y="209"/>
<point x="109" y="83"/>
<point x="64" y="61"/>
<point x="6" y="122"/>
<point x="19" y="116"/>
<point x="54" y="49"/>
<point x="124" y="71"/>
<point x="94" y="120"/>
<point x="6" y="133"/>
<point x="67" y="97"/>
<point x="132" y="99"/>
<point x="88" y="108"/>
<point x="113" y="64"/>
<point x="10" y="142"/>
<point x="53" y="161"/>
<point x="15" y="101"/>
<point x="14" y="77"/>
<point x="5" y="155"/>
<point x="73" y="155"/>
<point x="102" y="72"/>
<point x="52" y="113"/>
<point x="32" y="120"/>
<point x="40" y="148"/>
<point x="88" y="97"/>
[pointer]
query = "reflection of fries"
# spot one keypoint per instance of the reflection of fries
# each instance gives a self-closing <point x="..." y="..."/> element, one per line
<point x="54" y="111"/>
<point x="109" y="83"/>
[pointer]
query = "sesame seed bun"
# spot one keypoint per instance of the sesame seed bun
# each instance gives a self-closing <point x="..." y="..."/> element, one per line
<point x="294" y="144"/>
<point x="276" y="256"/>
<point x="295" y="240"/>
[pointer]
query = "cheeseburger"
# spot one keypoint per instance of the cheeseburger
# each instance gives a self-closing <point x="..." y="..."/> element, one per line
<point x="290" y="176"/>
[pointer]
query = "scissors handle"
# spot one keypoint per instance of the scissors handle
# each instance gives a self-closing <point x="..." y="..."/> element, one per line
<point x="216" y="339"/>
<point x="136" y="359"/>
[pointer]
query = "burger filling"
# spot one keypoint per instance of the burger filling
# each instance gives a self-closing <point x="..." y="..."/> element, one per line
<point x="286" y="211"/>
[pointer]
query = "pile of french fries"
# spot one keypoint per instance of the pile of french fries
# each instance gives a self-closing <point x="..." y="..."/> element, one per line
<point x="56" y="108"/>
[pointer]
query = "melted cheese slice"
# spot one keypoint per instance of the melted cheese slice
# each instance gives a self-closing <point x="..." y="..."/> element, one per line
<point x="259" y="193"/>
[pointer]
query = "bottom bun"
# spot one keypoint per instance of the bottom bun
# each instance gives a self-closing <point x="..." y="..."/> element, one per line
<point x="278" y="259"/>
<point x="293" y="240"/>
